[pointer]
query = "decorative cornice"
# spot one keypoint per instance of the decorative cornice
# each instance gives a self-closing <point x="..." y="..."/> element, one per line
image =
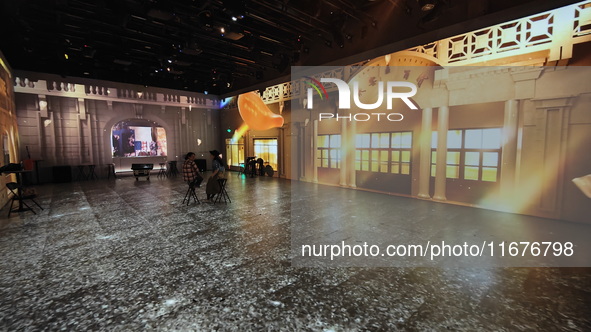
<point x="519" y="74"/>
<point x="112" y="92"/>
<point x="559" y="102"/>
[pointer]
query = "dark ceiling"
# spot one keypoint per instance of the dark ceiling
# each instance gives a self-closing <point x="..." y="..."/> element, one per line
<point x="225" y="46"/>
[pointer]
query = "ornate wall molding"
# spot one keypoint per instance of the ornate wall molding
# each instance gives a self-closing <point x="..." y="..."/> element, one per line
<point x="111" y="91"/>
<point x="553" y="33"/>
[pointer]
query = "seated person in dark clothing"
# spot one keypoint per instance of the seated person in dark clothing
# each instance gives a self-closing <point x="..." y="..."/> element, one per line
<point x="261" y="167"/>
<point x="250" y="166"/>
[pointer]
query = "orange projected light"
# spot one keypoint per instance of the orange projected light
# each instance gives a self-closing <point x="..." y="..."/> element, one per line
<point x="239" y="133"/>
<point x="256" y="114"/>
<point x="584" y="183"/>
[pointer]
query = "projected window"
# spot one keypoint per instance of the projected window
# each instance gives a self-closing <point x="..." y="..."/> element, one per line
<point x="267" y="150"/>
<point x="472" y="154"/>
<point x="329" y="151"/>
<point x="235" y="152"/>
<point x="138" y="138"/>
<point x="383" y="152"/>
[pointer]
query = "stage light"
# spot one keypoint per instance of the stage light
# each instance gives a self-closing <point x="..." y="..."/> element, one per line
<point x="427" y="5"/>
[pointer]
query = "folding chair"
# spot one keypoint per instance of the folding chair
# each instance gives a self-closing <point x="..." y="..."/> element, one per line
<point x="111" y="171"/>
<point x="162" y="172"/>
<point x="191" y="194"/>
<point x="19" y="195"/>
<point x="223" y="194"/>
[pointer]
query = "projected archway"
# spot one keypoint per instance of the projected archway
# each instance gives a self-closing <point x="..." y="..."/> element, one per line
<point x="138" y="138"/>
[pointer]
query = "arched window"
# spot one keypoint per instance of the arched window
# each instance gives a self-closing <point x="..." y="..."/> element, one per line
<point x="138" y="138"/>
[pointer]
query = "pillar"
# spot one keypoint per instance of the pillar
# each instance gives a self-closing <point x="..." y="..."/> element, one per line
<point x="440" y="173"/>
<point x="425" y="153"/>
<point x="509" y="150"/>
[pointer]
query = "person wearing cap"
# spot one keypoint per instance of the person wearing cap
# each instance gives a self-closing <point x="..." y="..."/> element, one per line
<point x="213" y="187"/>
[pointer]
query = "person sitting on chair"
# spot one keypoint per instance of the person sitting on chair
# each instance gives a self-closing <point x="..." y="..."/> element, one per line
<point x="261" y="167"/>
<point x="252" y="164"/>
<point x="191" y="171"/>
<point x="213" y="187"/>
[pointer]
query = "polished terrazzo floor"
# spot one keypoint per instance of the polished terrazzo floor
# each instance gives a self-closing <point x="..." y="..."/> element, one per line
<point x="125" y="255"/>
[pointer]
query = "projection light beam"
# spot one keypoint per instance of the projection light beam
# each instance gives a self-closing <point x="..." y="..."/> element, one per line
<point x="239" y="133"/>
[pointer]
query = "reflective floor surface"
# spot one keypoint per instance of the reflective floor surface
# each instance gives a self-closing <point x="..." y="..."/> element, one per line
<point x="126" y="255"/>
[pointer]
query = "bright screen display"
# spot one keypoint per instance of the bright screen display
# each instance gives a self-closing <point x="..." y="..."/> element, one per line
<point x="138" y="138"/>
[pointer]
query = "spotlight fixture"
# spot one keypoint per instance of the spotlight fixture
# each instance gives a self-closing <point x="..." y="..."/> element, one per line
<point x="431" y="15"/>
<point x="426" y="5"/>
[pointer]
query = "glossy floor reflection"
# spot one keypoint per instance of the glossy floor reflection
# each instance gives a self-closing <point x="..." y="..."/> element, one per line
<point x="126" y="255"/>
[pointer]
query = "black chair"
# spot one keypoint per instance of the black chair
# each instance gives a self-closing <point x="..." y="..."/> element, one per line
<point x="111" y="171"/>
<point x="191" y="194"/>
<point x="81" y="173"/>
<point x="172" y="170"/>
<point x="162" y="172"/>
<point x="223" y="194"/>
<point x="91" y="173"/>
<point x="19" y="194"/>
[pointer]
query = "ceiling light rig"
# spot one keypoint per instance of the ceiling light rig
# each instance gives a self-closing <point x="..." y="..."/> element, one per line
<point x="176" y="43"/>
